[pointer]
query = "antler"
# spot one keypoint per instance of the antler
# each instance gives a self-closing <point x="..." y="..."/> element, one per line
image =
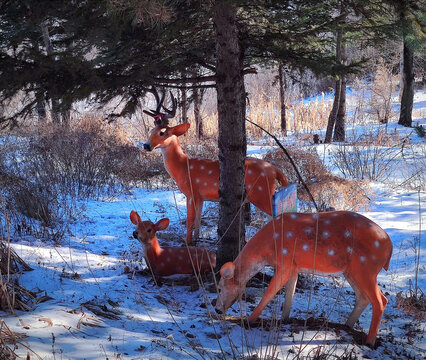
<point x="162" y="119"/>
<point x="171" y="113"/>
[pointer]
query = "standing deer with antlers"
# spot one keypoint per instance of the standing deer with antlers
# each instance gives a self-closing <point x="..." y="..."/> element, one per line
<point x="198" y="179"/>
<point x="338" y="242"/>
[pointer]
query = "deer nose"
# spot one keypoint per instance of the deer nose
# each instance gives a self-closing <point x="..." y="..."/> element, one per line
<point x="135" y="234"/>
<point x="147" y="147"/>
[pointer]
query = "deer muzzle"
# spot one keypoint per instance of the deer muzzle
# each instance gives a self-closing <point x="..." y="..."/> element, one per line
<point x="147" y="147"/>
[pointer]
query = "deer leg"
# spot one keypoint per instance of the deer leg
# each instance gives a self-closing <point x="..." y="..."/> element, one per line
<point x="198" y="211"/>
<point x="290" y="287"/>
<point x="361" y="303"/>
<point x="190" y="218"/>
<point x="192" y="209"/>
<point x="277" y="282"/>
<point x="367" y="285"/>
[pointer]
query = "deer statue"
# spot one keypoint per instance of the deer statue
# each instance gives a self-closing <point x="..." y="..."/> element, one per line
<point x="198" y="179"/>
<point x="167" y="260"/>
<point x="322" y="243"/>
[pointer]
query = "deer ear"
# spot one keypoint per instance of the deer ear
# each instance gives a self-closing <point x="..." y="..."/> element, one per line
<point x="135" y="218"/>
<point x="179" y="130"/>
<point x="162" y="224"/>
<point x="227" y="270"/>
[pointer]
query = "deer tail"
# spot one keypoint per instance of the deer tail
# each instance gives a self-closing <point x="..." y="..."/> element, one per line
<point x="282" y="179"/>
<point x="386" y="266"/>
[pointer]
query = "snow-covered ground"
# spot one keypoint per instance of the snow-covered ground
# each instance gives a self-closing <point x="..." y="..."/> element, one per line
<point x="102" y="307"/>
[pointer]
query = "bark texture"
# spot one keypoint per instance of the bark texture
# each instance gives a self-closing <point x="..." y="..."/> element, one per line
<point x="405" y="116"/>
<point x="231" y="141"/>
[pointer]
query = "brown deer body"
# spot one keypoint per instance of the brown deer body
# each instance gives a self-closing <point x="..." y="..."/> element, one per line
<point x="168" y="260"/>
<point x="198" y="179"/>
<point x="324" y="243"/>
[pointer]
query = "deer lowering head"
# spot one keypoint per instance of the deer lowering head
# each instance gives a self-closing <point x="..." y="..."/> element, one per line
<point x="167" y="260"/>
<point x="198" y="179"/>
<point x="324" y="243"/>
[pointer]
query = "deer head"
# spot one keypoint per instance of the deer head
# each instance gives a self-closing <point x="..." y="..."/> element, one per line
<point x="146" y="231"/>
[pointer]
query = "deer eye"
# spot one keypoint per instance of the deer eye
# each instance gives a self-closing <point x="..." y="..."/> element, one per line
<point x="162" y="133"/>
<point x="149" y="230"/>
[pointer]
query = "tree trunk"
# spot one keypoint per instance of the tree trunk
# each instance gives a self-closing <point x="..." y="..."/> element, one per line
<point x="184" y="107"/>
<point x="41" y="111"/>
<point x="336" y="120"/>
<point x="281" y="81"/>
<point x="339" y="127"/>
<point x="197" y="94"/>
<point x="405" y="116"/>
<point x="333" y="113"/>
<point x="231" y="141"/>
<point x="49" y="50"/>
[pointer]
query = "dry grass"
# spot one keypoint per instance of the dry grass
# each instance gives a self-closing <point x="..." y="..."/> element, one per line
<point x="329" y="191"/>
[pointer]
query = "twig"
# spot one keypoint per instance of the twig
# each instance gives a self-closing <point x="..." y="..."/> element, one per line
<point x="291" y="161"/>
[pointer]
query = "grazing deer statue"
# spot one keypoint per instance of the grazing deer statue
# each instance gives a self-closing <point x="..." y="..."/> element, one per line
<point x="323" y="243"/>
<point x="167" y="260"/>
<point x="198" y="179"/>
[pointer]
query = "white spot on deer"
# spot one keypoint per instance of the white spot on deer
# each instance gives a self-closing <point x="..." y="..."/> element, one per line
<point x="215" y="184"/>
<point x="202" y="167"/>
<point x="308" y="230"/>
<point x="249" y="172"/>
<point x="331" y="252"/>
<point x="254" y="161"/>
<point x="289" y="234"/>
<point x="325" y="234"/>
<point x="362" y="258"/>
<point x="284" y="251"/>
<point x="376" y="244"/>
<point x="347" y="233"/>
<point x="168" y="259"/>
<point x="180" y="257"/>
<point x="262" y="173"/>
<point x="276" y="235"/>
<point x="210" y="172"/>
<point x="335" y="214"/>
<point x="293" y="216"/>
<point x="259" y="188"/>
<point x="305" y="247"/>
<point x="349" y="250"/>
<point x="191" y="167"/>
<point x="327" y="222"/>
<point x="315" y="216"/>
<point x="249" y="186"/>
<point x="197" y="180"/>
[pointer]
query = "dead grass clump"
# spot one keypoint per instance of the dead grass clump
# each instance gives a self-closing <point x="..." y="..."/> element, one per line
<point x="203" y="149"/>
<point x="309" y="164"/>
<point x="329" y="191"/>
<point x="412" y="304"/>
<point x="333" y="192"/>
<point x="10" y="262"/>
<point x="9" y="341"/>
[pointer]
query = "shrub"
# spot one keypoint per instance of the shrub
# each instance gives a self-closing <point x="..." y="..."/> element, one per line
<point x="44" y="174"/>
<point x="369" y="156"/>
<point x="329" y="191"/>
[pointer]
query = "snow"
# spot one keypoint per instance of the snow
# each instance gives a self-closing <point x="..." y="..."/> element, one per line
<point x="87" y="271"/>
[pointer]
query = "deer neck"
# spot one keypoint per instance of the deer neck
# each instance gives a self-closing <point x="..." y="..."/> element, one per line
<point x="175" y="160"/>
<point x="248" y="263"/>
<point x="154" y="250"/>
